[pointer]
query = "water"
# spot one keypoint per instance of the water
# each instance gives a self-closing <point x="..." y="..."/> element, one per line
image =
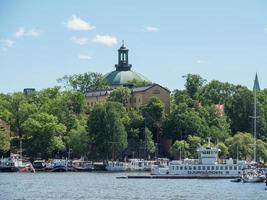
<point x="42" y="186"/>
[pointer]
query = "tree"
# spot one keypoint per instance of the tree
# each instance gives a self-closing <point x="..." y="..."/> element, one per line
<point x="184" y="121"/>
<point x="261" y="151"/>
<point x="43" y="135"/>
<point x="84" y="82"/>
<point x="216" y="92"/>
<point x="148" y="142"/>
<point x="179" y="149"/>
<point x="4" y="139"/>
<point x="241" y="143"/>
<point x="120" y="95"/>
<point x="240" y="109"/>
<point x="79" y="141"/>
<point x="194" y="84"/>
<point x="107" y="130"/>
<point x="224" y="150"/>
<point x="194" y="142"/>
<point x="153" y="113"/>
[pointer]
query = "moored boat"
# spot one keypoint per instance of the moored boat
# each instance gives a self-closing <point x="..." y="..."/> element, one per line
<point x="253" y="176"/>
<point x="206" y="166"/>
<point x="39" y="165"/>
<point x="15" y="164"/>
<point x="116" y="166"/>
<point x="82" y="166"/>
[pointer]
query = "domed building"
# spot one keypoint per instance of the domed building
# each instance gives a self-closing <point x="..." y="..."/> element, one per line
<point x="123" y="75"/>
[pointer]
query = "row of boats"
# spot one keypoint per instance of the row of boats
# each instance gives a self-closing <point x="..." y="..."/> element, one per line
<point x="15" y="164"/>
<point x="206" y="166"/>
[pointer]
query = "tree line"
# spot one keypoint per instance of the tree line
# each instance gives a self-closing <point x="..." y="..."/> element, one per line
<point x="56" y="121"/>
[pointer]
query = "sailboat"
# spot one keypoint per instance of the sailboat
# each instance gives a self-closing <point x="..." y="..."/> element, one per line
<point x="253" y="174"/>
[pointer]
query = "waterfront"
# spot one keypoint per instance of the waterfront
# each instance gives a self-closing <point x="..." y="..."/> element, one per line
<point x="42" y="186"/>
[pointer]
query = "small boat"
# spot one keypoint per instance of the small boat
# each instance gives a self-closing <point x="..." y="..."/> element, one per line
<point x="15" y="164"/>
<point x="99" y="166"/>
<point x="116" y="166"/>
<point x="253" y="176"/>
<point x="57" y="165"/>
<point x="236" y="180"/>
<point x="39" y="165"/>
<point x="136" y="164"/>
<point x="160" y="166"/>
<point x="82" y="166"/>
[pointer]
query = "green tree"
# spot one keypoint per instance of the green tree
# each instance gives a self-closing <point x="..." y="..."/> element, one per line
<point x="120" y="95"/>
<point x="240" y="109"/>
<point x="153" y="113"/>
<point x="79" y="141"/>
<point x="194" y="142"/>
<point x="179" y="149"/>
<point x="216" y="92"/>
<point x="261" y="151"/>
<point x="194" y="84"/>
<point x="224" y="153"/>
<point x="107" y="130"/>
<point x="4" y="139"/>
<point x="241" y="143"/>
<point x="84" y="82"/>
<point x="149" y="143"/>
<point x="43" y="135"/>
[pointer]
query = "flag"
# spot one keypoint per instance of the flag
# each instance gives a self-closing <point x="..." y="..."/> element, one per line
<point x="256" y="86"/>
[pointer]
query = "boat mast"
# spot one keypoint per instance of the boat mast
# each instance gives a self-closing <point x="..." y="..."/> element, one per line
<point x="255" y="125"/>
<point x="256" y="88"/>
<point x="20" y="149"/>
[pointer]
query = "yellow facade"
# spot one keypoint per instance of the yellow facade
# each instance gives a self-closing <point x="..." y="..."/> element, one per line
<point x="139" y="96"/>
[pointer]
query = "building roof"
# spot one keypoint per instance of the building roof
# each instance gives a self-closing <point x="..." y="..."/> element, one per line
<point x="134" y="90"/>
<point x="98" y="93"/>
<point x="124" y="77"/>
<point x="144" y="88"/>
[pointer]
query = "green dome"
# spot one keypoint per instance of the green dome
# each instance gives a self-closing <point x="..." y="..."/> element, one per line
<point x="123" y="73"/>
<point x="124" y="77"/>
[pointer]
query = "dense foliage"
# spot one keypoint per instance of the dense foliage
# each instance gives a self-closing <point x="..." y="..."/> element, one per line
<point x="55" y="122"/>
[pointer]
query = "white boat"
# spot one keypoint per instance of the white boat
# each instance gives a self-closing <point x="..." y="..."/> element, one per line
<point x="253" y="176"/>
<point x="15" y="164"/>
<point x="206" y="166"/>
<point x="116" y="166"/>
<point x="82" y="165"/>
<point x="160" y="166"/>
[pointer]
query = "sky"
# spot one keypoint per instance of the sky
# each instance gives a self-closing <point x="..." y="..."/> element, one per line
<point x="41" y="41"/>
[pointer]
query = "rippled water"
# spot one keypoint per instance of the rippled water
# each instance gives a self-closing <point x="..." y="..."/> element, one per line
<point x="40" y="186"/>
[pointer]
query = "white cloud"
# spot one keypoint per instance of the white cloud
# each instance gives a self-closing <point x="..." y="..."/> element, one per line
<point x="5" y="44"/>
<point x="23" y="32"/>
<point x="151" y="29"/>
<point x="80" y="40"/>
<point x="77" y="24"/>
<point x="84" y="57"/>
<point x="105" y="39"/>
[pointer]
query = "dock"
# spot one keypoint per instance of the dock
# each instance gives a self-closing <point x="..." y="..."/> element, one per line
<point x="171" y="177"/>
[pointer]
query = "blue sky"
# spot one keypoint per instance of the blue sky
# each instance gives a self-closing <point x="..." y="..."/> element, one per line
<point x="41" y="41"/>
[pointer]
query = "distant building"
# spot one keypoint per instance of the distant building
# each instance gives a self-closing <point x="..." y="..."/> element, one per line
<point x="123" y="76"/>
<point x="28" y="90"/>
<point x="139" y="96"/>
